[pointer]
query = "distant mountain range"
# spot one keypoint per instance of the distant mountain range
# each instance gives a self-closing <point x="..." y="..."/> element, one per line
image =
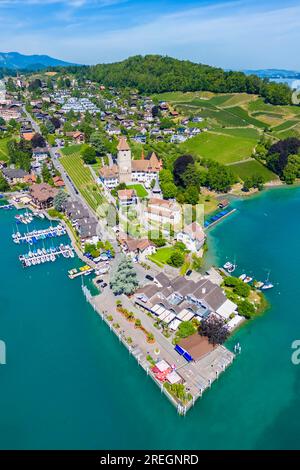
<point x="274" y="73"/>
<point x="15" y="61"/>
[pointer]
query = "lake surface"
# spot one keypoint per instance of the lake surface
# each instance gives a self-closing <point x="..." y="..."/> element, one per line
<point x="69" y="384"/>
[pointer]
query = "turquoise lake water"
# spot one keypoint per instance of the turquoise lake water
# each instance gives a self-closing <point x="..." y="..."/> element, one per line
<point x="69" y="384"/>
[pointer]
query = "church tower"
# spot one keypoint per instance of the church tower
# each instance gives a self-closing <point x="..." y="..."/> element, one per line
<point x="124" y="161"/>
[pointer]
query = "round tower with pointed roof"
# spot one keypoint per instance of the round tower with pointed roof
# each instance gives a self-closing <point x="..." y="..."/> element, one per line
<point x="124" y="161"/>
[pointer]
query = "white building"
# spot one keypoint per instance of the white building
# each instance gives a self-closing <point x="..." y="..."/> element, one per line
<point x="192" y="236"/>
<point x="162" y="212"/>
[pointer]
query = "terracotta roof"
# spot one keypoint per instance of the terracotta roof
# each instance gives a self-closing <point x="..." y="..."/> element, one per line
<point x="123" y="144"/>
<point x="197" y="346"/>
<point x="29" y="179"/>
<point x="58" y="181"/>
<point x="28" y="135"/>
<point x="150" y="165"/>
<point x="134" y="245"/>
<point x="195" y="231"/>
<point x="126" y="193"/>
<point x="109" y="172"/>
<point x="42" y="192"/>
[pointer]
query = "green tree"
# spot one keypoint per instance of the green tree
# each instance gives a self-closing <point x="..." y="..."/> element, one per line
<point x="124" y="279"/>
<point x="59" y="200"/>
<point x="185" y="329"/>
<point x="46" y="175"/>
<point x="246" y="309"/>
<point x="96" y="141"/>
<point x="89" y="155"/>
<point x="191" y="195"/>
<point x="169" y="190"/>
<point x="176" y="259"/>
<point x="4" y="186"/>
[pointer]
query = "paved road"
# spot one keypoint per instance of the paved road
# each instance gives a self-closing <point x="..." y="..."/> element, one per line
<point x="71" y="188"/>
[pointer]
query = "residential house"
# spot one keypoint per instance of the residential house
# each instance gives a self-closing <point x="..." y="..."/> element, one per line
<point x="77" y="136"/>
<point x="162" y="212"/>
<point x="137" y="249"/>
<point x="27" y="135"/>
<point x="14" y="175"/>
<point x="109" y="176"/>
<point x="127" y="197"/>
<point x="177" y="300"/>
<point x="43" y="195"/>
<point x="58" y="182"/>
<point x="30" y="179"/>
<point x="192" y="236"/>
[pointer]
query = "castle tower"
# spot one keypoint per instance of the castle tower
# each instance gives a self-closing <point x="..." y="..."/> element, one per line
<point x="124" y="161"/>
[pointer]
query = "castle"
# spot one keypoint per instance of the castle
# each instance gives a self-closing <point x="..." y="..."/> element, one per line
<point x="129" y="171"/>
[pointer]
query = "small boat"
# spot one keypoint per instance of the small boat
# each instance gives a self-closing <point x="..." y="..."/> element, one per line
<point x="267" y="286"/>
<point x="248" y="279"/>
<point x="227" y="265"/>
<point x="232" y="268"/>
<point x="258" y="284"/>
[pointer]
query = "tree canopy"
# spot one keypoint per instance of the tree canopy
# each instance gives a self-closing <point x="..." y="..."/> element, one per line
<point x="158" y="74"/>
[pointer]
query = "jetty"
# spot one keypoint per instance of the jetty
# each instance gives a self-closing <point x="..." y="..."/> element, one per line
<point x="217" y="218"/>
<point x="37" y="235"/>
<point x="83" y="271"/>
<point x="7" y="206"/>
<point x="41" y="256"/>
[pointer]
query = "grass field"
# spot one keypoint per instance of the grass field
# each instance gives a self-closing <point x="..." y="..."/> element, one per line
<point x="252" y="168"/>
<point x="3" y="150"/>
<point x="235" y="123"/>
<point x="162" y="255"/>
<point x="139" y="189"/>
<point x="286" y="125"/>
<point x="220" y="147"/>
<point x="81" y="176"/>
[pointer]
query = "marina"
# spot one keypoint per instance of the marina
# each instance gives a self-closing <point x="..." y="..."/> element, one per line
<point x="41" y="256"/>
<point x="24" y="218"/>
<point x="36" y="235"/>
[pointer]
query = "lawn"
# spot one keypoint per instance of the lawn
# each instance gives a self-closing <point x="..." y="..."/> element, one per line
<point x="210" y="203"/>
<point x="220" y="147"/>
<point x="248" y="133"/>
<point x="3" y="149"/>
<point x="252" y="168"/>
<point x="243" y="114"/>
<point x="238" y="99"/>
<point x="81" y="177"/>
<point x="162" y="255"/>
<point x="286" y="125"/>
<point x="139" y="189"/>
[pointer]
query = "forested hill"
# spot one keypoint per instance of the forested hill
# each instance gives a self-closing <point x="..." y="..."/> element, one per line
<point x="155" y="74"/>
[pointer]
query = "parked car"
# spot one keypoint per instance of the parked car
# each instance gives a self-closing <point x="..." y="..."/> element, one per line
<point x="150" y="278"/>
<point x="189" y="272"/>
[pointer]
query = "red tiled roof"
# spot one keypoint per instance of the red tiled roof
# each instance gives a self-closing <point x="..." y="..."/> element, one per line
<point x="123" y="144"/>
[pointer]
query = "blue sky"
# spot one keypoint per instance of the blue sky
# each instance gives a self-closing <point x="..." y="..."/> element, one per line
<point x="231" y="34"/>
